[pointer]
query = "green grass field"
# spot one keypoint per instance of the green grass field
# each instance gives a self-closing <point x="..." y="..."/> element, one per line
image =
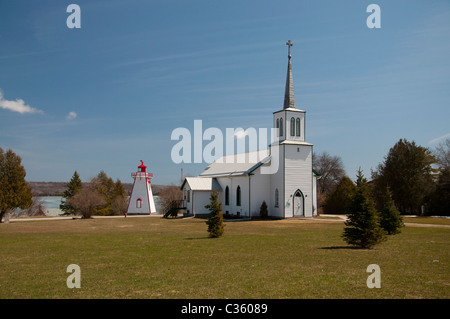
<point x="160" y="258"/>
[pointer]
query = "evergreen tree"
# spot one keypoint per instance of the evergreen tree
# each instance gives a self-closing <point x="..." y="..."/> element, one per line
<point x="215" y="219"/>
<point x="73" y="187"/>
<point x="106" y="187"/>
<point x="390" y="219"/>
<point x="119" y="189"/>
<point x="360" y="179"/>
<point x="362" y="227"/>
<point x="407" y="170"/>
<point x="14" y="190"/>
<point x="338" y="201"/>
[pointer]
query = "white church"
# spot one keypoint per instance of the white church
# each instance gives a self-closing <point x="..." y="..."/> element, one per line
<point x="289" y="191"/>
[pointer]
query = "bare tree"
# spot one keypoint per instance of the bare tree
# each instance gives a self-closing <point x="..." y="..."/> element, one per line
<point x="168" y="195"/>
<point x="37" y="208"/>
<point x="442" y="154"/>
<point x="119" y="205"/>
<point x="331" y="171"/>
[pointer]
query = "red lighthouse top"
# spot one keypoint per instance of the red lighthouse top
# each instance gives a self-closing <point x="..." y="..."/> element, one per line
<point x="142" y="167"/>
<point x="142" y="172"/>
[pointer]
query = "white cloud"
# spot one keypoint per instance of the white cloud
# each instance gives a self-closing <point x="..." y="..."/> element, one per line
<point x="72" y="115"/>
<point x="438" y="139"/>
<point x="17" y="106"/>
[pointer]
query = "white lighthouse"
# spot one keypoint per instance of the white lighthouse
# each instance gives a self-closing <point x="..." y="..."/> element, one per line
<point x="141" y="199"/>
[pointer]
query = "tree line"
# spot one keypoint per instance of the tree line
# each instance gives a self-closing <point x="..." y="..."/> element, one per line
<point x="100" y="196"/>
<point x="417" y="178"/>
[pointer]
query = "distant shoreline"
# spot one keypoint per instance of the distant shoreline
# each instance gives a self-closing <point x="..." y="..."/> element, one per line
<point x="41" y="189"/>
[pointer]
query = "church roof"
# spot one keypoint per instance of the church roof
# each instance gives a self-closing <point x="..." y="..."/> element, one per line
<point x="236" y="164"/>
<point x="202" y="184"/>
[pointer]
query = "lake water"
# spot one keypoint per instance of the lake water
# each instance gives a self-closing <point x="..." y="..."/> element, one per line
<point x="51" y="204"/>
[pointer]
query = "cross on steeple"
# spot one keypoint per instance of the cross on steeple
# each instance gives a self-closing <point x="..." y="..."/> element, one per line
<point x="289" y="44"/>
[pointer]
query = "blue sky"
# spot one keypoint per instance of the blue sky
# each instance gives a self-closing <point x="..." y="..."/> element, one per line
<point x="109" y="94"/>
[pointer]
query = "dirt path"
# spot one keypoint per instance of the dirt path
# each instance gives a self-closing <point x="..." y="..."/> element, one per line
<point x="328" y="218"/>
<point x="342" y="218"/>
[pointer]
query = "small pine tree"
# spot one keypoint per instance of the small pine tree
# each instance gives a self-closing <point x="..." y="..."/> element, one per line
<point x="263" y="212"/>
<point x="73" y="187"/>
<point x="362" y="227"/>
<point x="215" y="219"/>
<point x="390" y="219"/>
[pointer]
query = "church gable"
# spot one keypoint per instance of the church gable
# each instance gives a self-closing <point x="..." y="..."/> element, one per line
<point x="201" y="184"/>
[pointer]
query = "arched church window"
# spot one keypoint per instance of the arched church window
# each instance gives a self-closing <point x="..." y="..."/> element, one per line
<point x="227" y="196"/>
<point x="281" y="127"/>
<point x="278" y="123"/>
<point x="276" y="197"/>
<point x="297" y="126"/>
<point x="238" y="196"/>
<point x="292" y="126"/>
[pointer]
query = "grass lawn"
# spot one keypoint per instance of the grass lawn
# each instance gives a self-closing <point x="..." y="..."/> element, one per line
<point x="161" y="258"/>
<point x="427" y="220"/>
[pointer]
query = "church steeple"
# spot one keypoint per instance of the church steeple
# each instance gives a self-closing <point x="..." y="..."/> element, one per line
<point x="289" y="101"/>
<point x="289" y="121"/>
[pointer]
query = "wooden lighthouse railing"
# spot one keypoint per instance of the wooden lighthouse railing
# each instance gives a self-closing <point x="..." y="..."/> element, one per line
<point x="142" y="175"/>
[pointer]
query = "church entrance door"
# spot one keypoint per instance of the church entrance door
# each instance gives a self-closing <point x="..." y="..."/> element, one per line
<point x="298" y="204"/>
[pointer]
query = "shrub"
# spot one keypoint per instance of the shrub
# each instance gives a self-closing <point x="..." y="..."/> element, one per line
<point x="87" y="201"/>
<point x="263" y="212"/>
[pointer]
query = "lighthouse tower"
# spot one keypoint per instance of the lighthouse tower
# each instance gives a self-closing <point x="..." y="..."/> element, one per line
<point x="141" y="199"/>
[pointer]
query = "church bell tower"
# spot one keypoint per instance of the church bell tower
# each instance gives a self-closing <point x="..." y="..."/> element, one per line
<point x="293" y="181"/>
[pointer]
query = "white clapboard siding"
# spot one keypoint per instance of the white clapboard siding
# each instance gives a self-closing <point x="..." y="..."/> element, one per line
<point x="298" y="175"/>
